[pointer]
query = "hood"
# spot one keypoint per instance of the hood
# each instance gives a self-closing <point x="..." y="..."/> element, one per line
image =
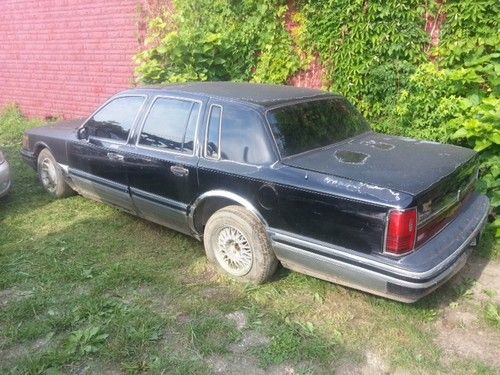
<point x="58" y="128"/>
<point x="397" y="163"/>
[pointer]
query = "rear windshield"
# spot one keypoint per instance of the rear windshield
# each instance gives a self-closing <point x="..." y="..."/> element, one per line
<point x="305" y="126"/>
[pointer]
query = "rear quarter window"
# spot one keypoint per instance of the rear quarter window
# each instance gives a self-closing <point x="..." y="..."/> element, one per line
<point x="243" y="138"/>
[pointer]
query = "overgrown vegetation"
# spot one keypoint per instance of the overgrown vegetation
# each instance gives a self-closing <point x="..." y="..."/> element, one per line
<point x="378" y="54"/>
<point x="88" y="289"/>
<point x="219" y="40"/>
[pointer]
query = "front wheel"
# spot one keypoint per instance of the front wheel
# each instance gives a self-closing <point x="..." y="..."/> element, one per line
<point x="51" y="176"/>
<point x="236" y="241"/>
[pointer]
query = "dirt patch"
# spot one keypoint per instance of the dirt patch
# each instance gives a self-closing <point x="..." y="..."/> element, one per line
<point x="96" y="368"/>
<point x="375" y="364"/>
<point x="6" y="296"/>
<point x="486" y="276"/>
<point x="218" y="293"/>
<point x="19" y="351"/>
<point x="239" y="318"/>
<point x="250" y="340"/>
<point x="243" y="364"/>
<point x="461" y="329"/>
<point x="12" y="295"/>
<point x="460" y="333"/>
<point x="160" y="302"/>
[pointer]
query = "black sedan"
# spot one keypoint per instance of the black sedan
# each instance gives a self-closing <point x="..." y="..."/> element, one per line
<point x="266" y="174"/>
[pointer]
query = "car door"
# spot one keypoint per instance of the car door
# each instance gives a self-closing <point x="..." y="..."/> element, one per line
<point x="162" y="169"/>
<point x="96" y="163"/>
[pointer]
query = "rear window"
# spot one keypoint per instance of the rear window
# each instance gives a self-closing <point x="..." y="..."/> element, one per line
<point x="305" y="126"/>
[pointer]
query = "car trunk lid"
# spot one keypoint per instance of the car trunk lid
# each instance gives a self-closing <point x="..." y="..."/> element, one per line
<point x="397" y="163"/>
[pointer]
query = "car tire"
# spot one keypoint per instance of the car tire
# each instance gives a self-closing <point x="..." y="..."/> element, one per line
<point x="51" y="176"/>
<point x="236" y="242"/>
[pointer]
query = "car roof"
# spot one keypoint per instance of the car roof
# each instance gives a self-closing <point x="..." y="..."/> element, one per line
<point x="265" y="95"/>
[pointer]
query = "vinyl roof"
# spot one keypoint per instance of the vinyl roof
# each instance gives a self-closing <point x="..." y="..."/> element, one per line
<point x="260" y="94"/>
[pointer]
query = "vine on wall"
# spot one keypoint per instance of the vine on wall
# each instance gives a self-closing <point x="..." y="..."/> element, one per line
<point x="441" y="87"/>
<point x="369" y="48"/>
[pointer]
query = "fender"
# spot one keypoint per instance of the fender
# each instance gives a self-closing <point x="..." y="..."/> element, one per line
<point x="221" y="194"/>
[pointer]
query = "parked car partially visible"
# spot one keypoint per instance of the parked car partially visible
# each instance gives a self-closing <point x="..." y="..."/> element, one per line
<point x="4" y="175"/>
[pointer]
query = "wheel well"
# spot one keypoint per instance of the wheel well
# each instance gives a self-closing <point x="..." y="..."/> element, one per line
<point x="207" y="208"/>
<point x="38" y="148"/>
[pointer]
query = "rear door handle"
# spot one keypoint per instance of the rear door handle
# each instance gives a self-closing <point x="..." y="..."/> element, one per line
<point x="179" y="170"/>
<point x="115" y="156"/>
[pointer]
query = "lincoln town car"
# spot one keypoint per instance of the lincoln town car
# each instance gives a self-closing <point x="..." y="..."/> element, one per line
<point x="267" y="175"/>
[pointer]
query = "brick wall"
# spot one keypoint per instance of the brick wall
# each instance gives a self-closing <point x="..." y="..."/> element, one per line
<point x="65" y="57"/>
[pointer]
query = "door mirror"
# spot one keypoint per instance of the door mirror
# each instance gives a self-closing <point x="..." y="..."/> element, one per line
<point x="82" y="133"/>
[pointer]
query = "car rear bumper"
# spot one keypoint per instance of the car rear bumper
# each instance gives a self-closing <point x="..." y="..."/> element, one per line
<point x="4" y="178"/>
<point x="406" y="279"/>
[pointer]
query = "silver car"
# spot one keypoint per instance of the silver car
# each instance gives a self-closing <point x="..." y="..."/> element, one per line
<point x="4" y="175"/>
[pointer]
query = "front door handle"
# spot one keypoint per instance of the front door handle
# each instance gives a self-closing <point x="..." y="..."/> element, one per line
<point x="179" y="170"/>
<point x="115" y="156"/>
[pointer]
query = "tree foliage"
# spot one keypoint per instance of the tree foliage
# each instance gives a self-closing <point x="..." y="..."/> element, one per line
<point x="219" y="40"/>
<point x="378" y="54"/>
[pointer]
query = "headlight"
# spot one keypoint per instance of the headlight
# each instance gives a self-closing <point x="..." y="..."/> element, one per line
<point x="2" y="158"/>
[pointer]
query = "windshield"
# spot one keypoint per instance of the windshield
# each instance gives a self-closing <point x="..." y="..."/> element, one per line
<point x="305" y="126"/>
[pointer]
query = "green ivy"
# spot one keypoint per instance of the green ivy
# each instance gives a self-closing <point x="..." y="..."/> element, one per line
<point x="376" y="53"/>
<point x="368" y="48"/>
<point x="456" y="98"/>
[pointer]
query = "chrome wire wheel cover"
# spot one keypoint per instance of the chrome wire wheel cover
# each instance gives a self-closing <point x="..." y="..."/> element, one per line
<point x="48" y="174"/>
<point x="233" y="252"/>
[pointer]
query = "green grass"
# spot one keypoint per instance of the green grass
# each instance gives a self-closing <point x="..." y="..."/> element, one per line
<point x="85" y="288"/>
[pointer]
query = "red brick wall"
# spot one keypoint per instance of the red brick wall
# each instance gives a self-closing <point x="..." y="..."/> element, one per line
<point x="65" y="57"/>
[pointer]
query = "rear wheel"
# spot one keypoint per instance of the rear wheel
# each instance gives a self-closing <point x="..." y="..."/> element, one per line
<point x="51" y="176"/>
<point x="236" y="241"/>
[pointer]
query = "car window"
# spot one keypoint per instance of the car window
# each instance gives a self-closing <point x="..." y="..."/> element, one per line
<point x="214" y="123"/>
<point x="243" y="138"/>
<point x="115" y="119"/>
<point x="170" y="125"/>
<point x="301" y="127"/>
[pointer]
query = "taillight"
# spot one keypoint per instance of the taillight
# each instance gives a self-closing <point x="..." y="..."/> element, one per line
<point x="401" y="231"/>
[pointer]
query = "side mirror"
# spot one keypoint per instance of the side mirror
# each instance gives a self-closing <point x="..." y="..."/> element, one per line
<point x="82" y="133"/>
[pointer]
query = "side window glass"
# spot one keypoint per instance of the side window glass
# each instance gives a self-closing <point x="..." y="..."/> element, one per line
<point x="214" y="123"/>
<point x="115" y="120"/>
<point x="171" y="125"/>
<point x="243" y="138"/>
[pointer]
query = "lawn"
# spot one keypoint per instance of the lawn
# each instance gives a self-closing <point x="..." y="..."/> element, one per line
<point x="88" y="289"/>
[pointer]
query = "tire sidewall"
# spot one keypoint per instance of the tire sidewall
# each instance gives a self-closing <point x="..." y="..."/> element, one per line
<point x="253" y="231"/>
<point x="60" y="187"/>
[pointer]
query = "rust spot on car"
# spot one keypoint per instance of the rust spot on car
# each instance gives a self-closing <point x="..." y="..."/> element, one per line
<point x="351" y="157"/>
<point x="377" y="144"/>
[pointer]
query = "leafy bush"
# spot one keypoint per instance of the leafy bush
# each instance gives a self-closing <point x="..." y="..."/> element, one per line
<point x="456" y="99"/>
<point x="376" y="53"/>
<point x="219" y="40"/>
